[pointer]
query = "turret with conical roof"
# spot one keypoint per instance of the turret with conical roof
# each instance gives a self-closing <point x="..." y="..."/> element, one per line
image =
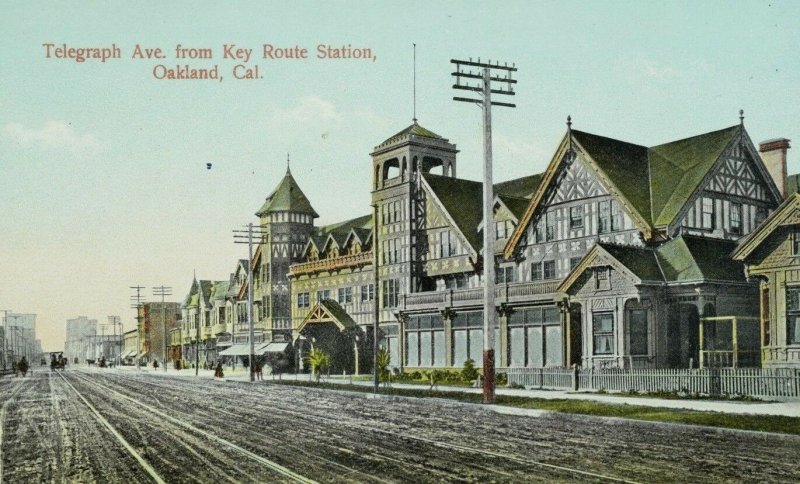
<point x="287" y="197"/>
<point x="287" y="221"/>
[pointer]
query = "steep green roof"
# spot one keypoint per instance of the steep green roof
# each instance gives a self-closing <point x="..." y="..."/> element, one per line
<point x="625" y="165"/>
<point x="362" y="222"/>
<point x="339" y="313"/>
<point x="689" y="259"/>
<point x="523" y="187"/>
<point x="657" y="181"/>
<point x="463" y="201"/>
<point x="515" y="205"/>
<point x="287" y="197"/>
<point x="677" y="168"/>
<point x="639" y="260"/>
<point x="414" y="129"/>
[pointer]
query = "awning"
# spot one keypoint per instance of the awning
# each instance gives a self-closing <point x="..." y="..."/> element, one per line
<point x="271" y="348"/>
<point x="129" y="354"/>
<point x="237" y="350"/>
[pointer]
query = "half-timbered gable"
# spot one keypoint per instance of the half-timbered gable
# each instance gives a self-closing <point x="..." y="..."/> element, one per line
<point x="580" y="206"/>
<point x="452" y="216"/>
<point x="727" y="189"/>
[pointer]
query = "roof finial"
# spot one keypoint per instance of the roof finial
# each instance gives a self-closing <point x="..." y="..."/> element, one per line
<point x="569" y="123"/>
<point x="741" y="117"/>
<point x="288" y="171"/>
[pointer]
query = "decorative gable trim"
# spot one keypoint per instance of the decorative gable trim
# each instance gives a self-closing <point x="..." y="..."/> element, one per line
<point x="783" y="215"/>
<point x="550" y="177"/>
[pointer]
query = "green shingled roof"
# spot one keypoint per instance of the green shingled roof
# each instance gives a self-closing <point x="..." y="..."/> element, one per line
<point x="515" y="205"/>
<point x="414" y="129"/>
<point x="689" y="259"/>
<point x="677" y="168"/>
<point x="339" y="313"/>
<point x="625" y="165"/>
<point x="683" y="259"/>
<point x="463" y="201"/>
<point x="639" y="260"/>
<point x="287" y="197"/>
<point x="523" y="187"/>
<point x="657" y="181"/>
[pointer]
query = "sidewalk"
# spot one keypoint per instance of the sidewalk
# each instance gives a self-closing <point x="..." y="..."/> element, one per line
<point x="787" y="409"/>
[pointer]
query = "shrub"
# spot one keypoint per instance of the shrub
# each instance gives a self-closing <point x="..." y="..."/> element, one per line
<point x="469" y="373"/>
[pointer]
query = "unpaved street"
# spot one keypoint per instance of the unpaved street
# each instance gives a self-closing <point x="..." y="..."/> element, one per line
<point x="123" y="426"/>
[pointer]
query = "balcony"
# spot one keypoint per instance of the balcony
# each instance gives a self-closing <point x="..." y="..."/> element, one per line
<point x="505" y="293"/>
<point x="336" y="263"/>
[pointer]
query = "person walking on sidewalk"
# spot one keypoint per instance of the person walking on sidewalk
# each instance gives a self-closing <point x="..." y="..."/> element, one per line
<point x="258" y="371"/>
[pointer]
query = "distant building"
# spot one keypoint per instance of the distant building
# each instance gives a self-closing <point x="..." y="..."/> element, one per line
<point x="152" y="317"/>
<point x="78" y="346"/>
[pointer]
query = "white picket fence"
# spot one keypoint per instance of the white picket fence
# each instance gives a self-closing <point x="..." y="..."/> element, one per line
<point x="755" y="382"/>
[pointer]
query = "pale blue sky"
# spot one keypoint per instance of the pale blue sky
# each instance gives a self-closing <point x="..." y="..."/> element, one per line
<point x="102" y="168"/>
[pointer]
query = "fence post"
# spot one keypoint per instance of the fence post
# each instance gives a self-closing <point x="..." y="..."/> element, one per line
<point x="575" y="378"/>
<point x="714" y="387"/>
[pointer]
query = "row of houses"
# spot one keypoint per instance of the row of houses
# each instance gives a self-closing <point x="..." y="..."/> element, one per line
<point x="18" y="339"/>
<point x="618" y="255"/>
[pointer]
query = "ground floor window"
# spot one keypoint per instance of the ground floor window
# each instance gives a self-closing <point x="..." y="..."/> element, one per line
<point x="793" y="315"/>
<point x="534" y="337"/>
<point x="603" y="328"/>
<point x="425" y="341"/>
<point x="468" y="338"/>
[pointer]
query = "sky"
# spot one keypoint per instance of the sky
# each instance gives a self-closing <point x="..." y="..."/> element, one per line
<point x="103" y="178"/>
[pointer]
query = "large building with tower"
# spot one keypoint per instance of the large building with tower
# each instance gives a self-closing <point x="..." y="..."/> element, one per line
<point x="617" y="255"/>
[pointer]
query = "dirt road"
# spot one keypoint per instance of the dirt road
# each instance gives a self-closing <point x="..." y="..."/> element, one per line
<point x="106" y="426"/>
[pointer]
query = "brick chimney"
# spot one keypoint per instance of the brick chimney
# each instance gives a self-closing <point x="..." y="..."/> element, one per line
<point x="773" y="153"/>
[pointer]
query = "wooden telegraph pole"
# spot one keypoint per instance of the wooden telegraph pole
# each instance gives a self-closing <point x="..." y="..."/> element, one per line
<point x="485" y="74"/>
<point x="240" y="238"/>
<point x="163" y="291"/>
<point x="136" y="303"/>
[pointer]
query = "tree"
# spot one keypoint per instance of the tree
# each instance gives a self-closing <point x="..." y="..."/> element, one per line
<point x="317" y="360"/>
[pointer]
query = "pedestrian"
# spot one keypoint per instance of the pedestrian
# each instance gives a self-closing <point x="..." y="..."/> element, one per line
<point x="258" y="371"/>
<point x="218" y="371"/>
<point x="23" y="366"/>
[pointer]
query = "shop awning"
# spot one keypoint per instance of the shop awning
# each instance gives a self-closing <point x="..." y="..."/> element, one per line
<point x="271" y="348"/>
<point x="237" y="350"/>
<point x="129" y="354"/>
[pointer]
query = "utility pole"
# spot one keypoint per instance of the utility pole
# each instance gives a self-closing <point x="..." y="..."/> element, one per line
<point x="163" y="291"/>
<point x="5" y="338"/>
<point x="486" y="74"/>
<point x="136" y="302"/>
<point x="114" y="321"/>
<point x="248" y="239"/>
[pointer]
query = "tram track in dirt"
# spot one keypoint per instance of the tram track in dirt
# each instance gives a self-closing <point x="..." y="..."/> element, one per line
<point x="228" y="461"/>
<point x="473" y="461"/>
<point x="614" y="448"/>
